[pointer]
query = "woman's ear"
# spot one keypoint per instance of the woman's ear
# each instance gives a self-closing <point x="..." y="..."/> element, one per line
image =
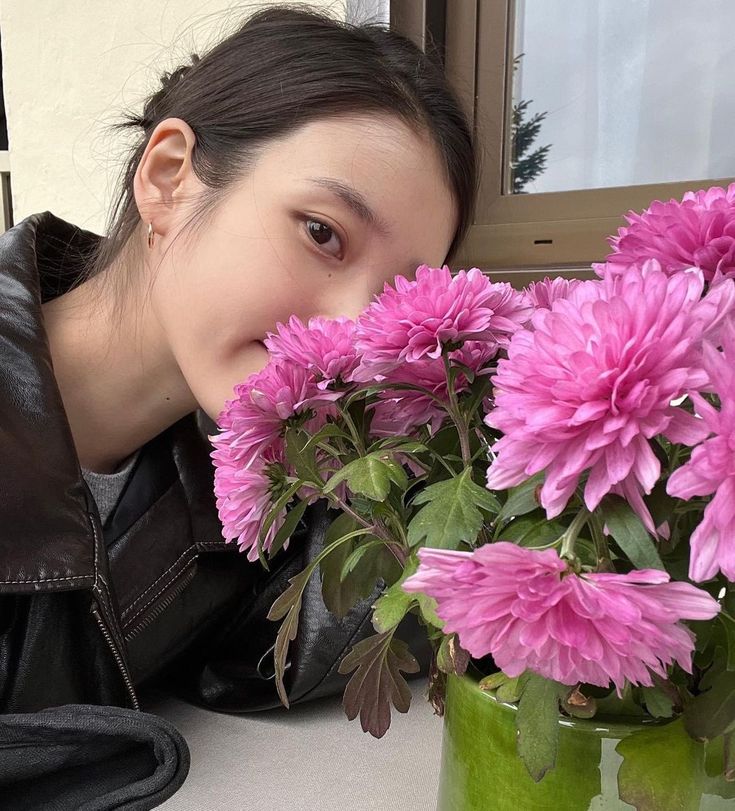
<point x="165" y="179"/>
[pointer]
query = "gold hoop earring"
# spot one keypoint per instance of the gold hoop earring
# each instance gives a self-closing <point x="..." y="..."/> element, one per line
<point x="151" y="232"/>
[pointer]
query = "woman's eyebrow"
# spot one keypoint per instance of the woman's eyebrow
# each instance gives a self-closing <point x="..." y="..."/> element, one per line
<point x="355" y="200"/>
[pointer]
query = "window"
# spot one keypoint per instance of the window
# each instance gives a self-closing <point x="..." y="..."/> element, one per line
<point x="583" y="110"/>
<point x="359" y="12"/>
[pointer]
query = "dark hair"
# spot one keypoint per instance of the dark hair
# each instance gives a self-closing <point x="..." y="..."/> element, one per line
<point x="283" y="67"/>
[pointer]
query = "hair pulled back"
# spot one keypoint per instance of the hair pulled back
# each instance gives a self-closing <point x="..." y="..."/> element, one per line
<point x="285" y="66"/>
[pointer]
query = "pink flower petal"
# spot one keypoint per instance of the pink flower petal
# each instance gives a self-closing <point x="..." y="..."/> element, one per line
<point x="529" y="612"/>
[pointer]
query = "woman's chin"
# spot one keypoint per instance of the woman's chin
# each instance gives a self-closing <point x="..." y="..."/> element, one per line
<point x="213" y="398"/>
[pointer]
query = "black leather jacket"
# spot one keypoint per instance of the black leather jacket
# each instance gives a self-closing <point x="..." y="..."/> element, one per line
<point x="88" y="613"/>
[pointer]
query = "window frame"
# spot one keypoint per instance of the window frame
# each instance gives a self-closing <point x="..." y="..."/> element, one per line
<point x="524" y="236"/>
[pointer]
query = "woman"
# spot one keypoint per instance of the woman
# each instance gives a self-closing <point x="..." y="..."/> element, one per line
<point x="294" y="168"/>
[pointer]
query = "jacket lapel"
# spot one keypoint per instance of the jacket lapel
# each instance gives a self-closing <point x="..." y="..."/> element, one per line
<point x="46" y="537"/>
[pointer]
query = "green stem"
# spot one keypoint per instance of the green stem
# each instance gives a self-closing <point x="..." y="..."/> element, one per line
<point x="674" y="459"/>
<point x="570" y="536"/>
<point x="598" y="536"/>
<point x="377" y="529"/>
<point x="359" y="446"/>
<point x="455" y="413"/>
<point x="464" y="443"/>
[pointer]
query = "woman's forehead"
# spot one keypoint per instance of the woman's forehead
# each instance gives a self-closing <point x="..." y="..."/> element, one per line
<point x="375" y="164"/>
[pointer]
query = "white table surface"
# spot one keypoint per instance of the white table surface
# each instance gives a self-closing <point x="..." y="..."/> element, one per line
<point x="308" y="758"/>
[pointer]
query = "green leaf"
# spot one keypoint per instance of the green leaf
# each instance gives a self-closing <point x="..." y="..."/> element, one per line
<point x="288" y="604"/>
<point x="287" y="528"/>
<point x="650" y="782"/>
<point x="302" y="456"/>
<point x="364" y="506"/>
<point x="326" y="431"/>
<point x="630" y="534"/>
<point x="660" y="504"/>
<point x="377" y="681"/>
<point x="626" y="706"/>
<point x="493" y="681"/>
<point x="361" y="417"/>
<point x="712" y="713"/>
<point x="292" y="594"/>
<point x="444" y="443"/>
<point x="452" y="512"/>
<point x="367" y="475"/>
<point x="427" y="607"/>
<point x="466" y="371"/>
<point x="533" y="530"/>
<point x="397" y="445"/>
<point x="477" y="391"/>
<point x="658" y="703"/>
<point x="717" y="664"/>
<point x="394" y="603"/>
<point x="341" y="594"/>
<point x="451" y="656"/>
<point x="396" y="473"/>
<point x="729" y="626"/>
<point x="719" y="767"/>
<point x="278" y="506"/>
<point x="357" y="554"/>
<point x="521" y="499"/>
<point x="510" y="690"/>
<point x="537" y="722"/>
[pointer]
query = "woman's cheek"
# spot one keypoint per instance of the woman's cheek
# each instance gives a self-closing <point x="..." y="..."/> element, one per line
<point x="213" y="387"/>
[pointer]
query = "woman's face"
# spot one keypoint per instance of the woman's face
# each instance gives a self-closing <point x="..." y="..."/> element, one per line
<point x="317" y="226"/>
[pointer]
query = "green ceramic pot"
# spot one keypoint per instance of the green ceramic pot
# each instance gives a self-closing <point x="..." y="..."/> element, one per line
<point x="663" y="768"/>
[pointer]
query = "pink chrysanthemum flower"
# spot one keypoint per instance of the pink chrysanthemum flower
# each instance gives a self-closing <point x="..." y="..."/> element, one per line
<point x="250" y="444"/>
<point x="244" y="497"/>
<point x="527" y="609"/>
<point x="325" y="346"/>
<point x="697" y="232"/>
<point x="547" y="291"/>
<point x="592" y="383"/>
<point x="711" y="469"/>
<point x="253" y="420"/>
<point x="416" y="319"/>
<point x="393" y="416"/>
<point x="402" y="411"/>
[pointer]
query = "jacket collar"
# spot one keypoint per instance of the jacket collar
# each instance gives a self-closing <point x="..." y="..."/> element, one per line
<point x="47" y="514"/>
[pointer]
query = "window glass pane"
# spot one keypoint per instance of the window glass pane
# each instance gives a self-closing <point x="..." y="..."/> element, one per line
<point x="610" y="93"/>
<point x="359" y="12"/>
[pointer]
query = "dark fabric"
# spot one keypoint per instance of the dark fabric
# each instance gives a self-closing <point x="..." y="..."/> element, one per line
<point x="114" y="604"/>
<point x="231" y="670"/>
<point x="46" y="541"/>
<point x="81" y="757"/>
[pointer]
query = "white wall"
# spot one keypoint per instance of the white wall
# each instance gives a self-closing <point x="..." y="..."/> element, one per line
<point x="69" y="69"/>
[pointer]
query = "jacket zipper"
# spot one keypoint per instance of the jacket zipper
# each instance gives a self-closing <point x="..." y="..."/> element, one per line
<point x="184" y="579"/>
<point x="116" y="654"/>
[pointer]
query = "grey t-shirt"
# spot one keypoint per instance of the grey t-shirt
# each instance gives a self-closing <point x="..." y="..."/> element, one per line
<point x="106" y="487"/>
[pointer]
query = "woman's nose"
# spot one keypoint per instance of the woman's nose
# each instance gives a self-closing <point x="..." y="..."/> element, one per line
<point x="346" y="309"/>
<point x="353" y="298"/>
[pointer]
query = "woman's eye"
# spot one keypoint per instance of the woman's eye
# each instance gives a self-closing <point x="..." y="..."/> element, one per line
<point x="324" y="235"/>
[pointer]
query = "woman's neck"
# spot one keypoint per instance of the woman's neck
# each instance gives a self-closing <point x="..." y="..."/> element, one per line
<point x="120" y="387"/>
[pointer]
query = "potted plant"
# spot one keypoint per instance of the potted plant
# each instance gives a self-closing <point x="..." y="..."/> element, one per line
<point x="546" y="478"/>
